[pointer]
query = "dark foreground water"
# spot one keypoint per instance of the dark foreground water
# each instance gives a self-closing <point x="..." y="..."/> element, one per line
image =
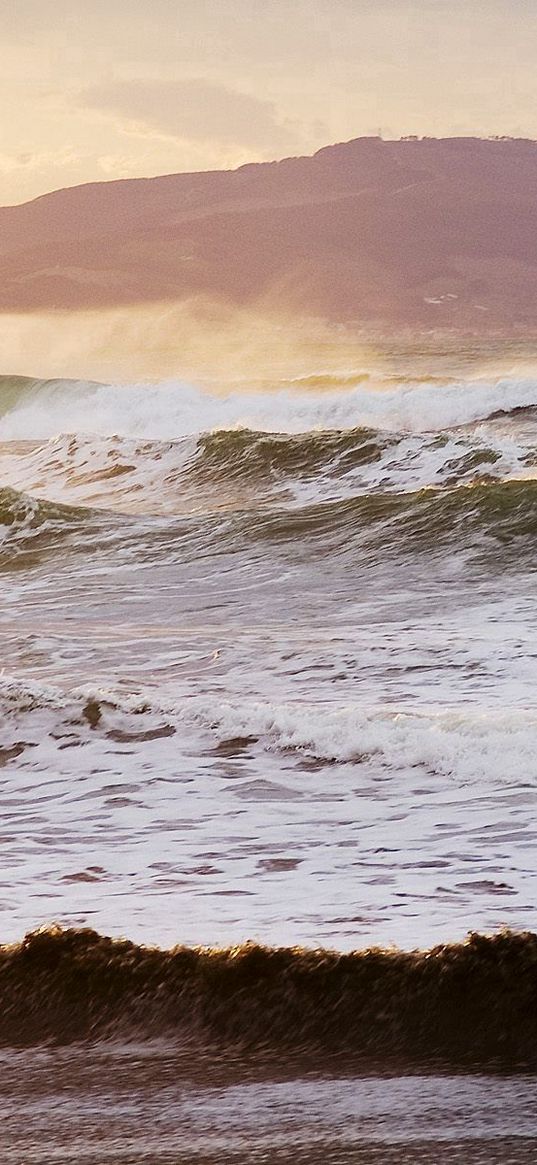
<point x="111" y="1104"/>
<point x="111" y="1052"/>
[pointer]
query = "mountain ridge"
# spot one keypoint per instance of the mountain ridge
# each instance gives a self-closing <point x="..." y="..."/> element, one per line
<point x="434" y="232"/>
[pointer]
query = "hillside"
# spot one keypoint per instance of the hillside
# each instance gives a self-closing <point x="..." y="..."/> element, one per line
<point x="422" y="233"/>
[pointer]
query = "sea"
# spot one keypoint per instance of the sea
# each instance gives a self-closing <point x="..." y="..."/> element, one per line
<point x="268" y="692"/>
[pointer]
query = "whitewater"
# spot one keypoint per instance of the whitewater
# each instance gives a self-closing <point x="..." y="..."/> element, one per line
<point x="269" y="663"/>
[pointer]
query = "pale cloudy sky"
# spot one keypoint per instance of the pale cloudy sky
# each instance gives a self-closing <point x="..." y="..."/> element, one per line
<point x="99" y="89"/>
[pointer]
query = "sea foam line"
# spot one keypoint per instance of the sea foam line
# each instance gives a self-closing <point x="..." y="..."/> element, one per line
<point x="470" y="746"/>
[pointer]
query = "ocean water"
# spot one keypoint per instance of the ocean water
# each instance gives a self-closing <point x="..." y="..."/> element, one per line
<point x="268" y="660"/>
<point x="134" y="1107"/>
<point x="268" y="681"/>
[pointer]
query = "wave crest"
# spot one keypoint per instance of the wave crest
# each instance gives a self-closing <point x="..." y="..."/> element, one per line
<point x="468" y="1004"/>
<point x="30" y="525"/>
<point x="469" y="746"/>
<point x="40" y="409"/>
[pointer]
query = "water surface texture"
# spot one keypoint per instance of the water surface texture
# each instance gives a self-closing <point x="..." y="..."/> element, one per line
<point x="269" y="660"/>
<point x="128" y="1107"/>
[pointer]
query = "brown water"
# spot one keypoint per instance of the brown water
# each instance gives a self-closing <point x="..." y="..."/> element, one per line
<point x="112" y="1104"/>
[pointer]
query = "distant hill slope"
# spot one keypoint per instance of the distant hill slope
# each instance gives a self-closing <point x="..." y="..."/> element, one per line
<point x="423" y="233"/>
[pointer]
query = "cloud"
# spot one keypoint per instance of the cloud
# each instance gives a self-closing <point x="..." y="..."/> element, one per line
<point x="195" y="110"/>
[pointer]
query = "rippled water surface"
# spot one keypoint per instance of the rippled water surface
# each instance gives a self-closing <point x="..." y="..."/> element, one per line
<point x="128" y="1105"/>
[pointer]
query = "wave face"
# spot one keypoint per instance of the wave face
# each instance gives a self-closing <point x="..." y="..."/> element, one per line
<point x="471" y="1004"/>
<point x="267" y="673"/>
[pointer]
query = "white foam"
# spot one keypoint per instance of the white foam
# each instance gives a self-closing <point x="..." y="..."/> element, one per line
<point x="172" y="410"/>
<point x="422" y="830"/>
<point x="469" y="746"/>
<point x="151" y="476"/>
<point x="107" y="472"/>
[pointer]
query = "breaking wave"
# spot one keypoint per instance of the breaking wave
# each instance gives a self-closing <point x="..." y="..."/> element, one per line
<point x="36" y="409"/>
<point x="471" y="746"/>
<point x="468" y="746"/>
<point x="229" y="466"/>
<point x="466" y="1004"/>
<point x="19" y="511"/>
<point x="174" y="449"/>
<point x="248" y="455"/>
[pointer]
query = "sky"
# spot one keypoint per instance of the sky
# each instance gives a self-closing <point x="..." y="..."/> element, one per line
<point x="92" y="90"/>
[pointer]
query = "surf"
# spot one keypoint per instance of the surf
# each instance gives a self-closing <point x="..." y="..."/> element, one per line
<point x="466" y="1004"/>
<point x="39" y="409"/>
